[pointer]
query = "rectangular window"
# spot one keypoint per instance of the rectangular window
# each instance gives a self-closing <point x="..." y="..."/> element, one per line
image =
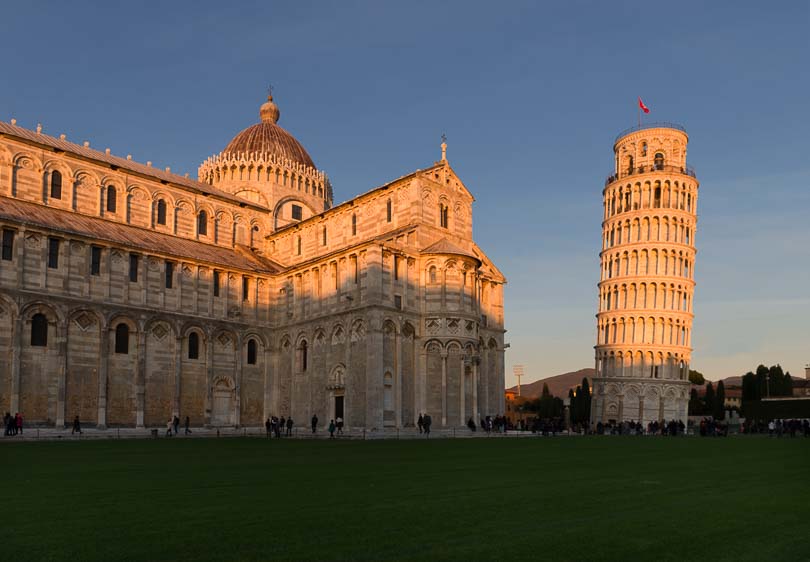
<point x="133" y="268"/>
<point x="53" y="253"/>
<point x="245" y="288"/>
<point x="95" y="260"/>
<point x="216" y="283"/>
<point x="169" y="274"/>
<point x="398" y="302"/>
<point x="356" y="270"/>
<point x="396" y="267"/>
<point x="8" y="244"/>
<point x="324" y="236"/>
<point x="297" y="212"/>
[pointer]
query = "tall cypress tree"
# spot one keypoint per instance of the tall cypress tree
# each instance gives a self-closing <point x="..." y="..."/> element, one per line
<point x="708" y="399"/>
<point x="719" y="411"/>
<point x="586" y="400"/>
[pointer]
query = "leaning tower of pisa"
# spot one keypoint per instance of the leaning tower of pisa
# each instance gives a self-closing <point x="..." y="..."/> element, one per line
<point x="644" y="317"/>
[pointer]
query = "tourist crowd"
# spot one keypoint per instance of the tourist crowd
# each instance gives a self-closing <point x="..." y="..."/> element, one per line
<point x="12" y="424"/>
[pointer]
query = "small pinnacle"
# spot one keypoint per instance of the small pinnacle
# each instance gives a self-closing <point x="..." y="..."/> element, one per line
<point x="129" y="156"/>
<point x="107" y="151"/>
<point x="13" y="121"/>
<point x="63" y="136"/>
<point x="149" y="163"/>
<point x="86" y="144"/>
<point x="39" y="127"/>
<point x="168" y="169"/>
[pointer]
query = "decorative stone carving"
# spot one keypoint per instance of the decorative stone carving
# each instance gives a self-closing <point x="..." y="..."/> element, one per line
<point x="224" y="339"/>
<point x="338" y="336"/>
<point x="453" y="325"/>
<point x="358" y="331"/>
<point x="32" y="240"/>
<point x="84" y="321"/>
<point x="159" y="332"/>
<point x="433" y="325"/>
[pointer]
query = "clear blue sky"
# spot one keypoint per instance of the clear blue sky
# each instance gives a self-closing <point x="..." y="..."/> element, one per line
<point x="530" y="95"/>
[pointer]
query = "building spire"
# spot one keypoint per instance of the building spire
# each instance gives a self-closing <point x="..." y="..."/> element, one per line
<point x="269" y="112"/>
<point x="444" y="147"/>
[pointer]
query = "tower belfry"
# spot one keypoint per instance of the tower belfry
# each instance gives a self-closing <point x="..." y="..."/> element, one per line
<point x="644" y="319"/>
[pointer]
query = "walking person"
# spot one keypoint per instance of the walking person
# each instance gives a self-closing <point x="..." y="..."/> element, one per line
<point x="19" y="420"/>
<point x="281" y="424"/>
<point x="188" y="421"/>
<point x="176" y="424"/>
<point x="331" y="429"/>
<point x="315" y="423"/>
<point x="339" y="424"/>
<point x="77" y="426"/>
<point x="267" y="426"/>
<point x="420" y="423"/>
<point x="169" y="427"/>
<point x="426" y="422"/>
<point x="289" y="426"/>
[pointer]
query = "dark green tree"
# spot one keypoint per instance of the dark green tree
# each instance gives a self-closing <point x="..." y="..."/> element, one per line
<point x="696" y="377"/>
<point x="696" y="407"/>
<point x="708" y="398"/>
<point x="719" y="409"/>
<point x="585" y="394"/>
<point x="546" y="392"/>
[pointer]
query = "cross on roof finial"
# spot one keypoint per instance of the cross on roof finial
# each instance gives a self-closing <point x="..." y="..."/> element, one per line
<point x="444" y="147"/>
<point x="270" y="91"/>
<point x="444" y="137"/>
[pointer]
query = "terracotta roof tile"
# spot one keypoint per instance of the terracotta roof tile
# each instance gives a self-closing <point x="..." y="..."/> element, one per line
<point x="444" y="246"/>
<point x="103" y="230"/>
<point x="24" y="134"/>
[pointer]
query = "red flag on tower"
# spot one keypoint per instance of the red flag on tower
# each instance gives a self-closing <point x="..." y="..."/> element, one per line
<point x="643" y="107"/>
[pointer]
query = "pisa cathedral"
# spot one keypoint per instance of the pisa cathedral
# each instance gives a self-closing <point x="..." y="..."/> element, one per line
<point x="129" y="294"/>
<point x="644" y="321"/>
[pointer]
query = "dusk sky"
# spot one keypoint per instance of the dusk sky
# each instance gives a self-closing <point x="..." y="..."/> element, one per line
<point x="530" y="96"/>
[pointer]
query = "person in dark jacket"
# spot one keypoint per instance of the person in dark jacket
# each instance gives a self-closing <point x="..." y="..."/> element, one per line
<point x="289" y="426"/>
<point x="188" y="421"/>
<point x="315" y="423"/>
<point x="267" y="426"/>
<point x="77" y="426"/>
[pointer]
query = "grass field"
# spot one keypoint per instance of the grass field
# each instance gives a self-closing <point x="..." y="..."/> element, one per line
<point x="608" y="498"/>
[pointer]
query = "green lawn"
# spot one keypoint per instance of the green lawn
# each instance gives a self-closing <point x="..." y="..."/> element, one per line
<point x="600" y="498"/>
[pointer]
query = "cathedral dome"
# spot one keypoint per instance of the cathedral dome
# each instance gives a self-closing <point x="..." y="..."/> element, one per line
<point x="268" y="139"/>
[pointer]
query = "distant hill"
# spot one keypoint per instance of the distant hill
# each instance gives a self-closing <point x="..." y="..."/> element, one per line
<point x="557" y="385"/>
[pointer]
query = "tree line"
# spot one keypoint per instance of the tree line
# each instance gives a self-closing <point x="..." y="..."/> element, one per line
<point x="766" y="382"/>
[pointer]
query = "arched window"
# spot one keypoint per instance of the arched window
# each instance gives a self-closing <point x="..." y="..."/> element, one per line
<point x="644" y="149"/>
<point x="202" y="223"/>
<point x="39" y="330"/>
<point x="657" y="202"/>
<point x="253" y="235"/>
<point x="659" y="161"/>
<point x="432" y="274"/>
<point x="443" y="215"/>
<point x="629" y="164"/>
<point x="122" y="338"/>
<point x="161" y="212"/>
<point x="388" y="210"/>
<point x="354" y="225"/>
<point x="251" y="352"/>
<point x="111" y="199"/>
<point x="56" y="184"/>
<point x="193" y="346"/>
<point x="302" y="354"/>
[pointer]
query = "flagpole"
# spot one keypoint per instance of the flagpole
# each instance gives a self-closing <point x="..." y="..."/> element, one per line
<point x="638" y="108"/>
